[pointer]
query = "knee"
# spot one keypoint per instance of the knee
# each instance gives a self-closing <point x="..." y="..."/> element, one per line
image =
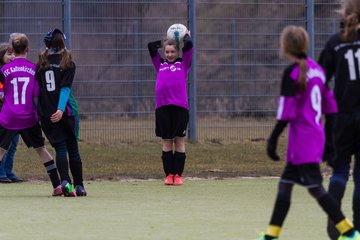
<point x="180" y="144"/>
<point x="317" y="192"/>
<point x="167" y="145"/>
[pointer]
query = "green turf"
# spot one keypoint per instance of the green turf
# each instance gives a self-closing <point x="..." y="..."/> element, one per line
<point x="201" y="209"/>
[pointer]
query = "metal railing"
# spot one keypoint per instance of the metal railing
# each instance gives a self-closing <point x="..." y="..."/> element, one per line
<point x="236" y="71"/>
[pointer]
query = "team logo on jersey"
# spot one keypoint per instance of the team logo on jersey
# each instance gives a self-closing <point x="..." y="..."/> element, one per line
<point x="173" y="68"/>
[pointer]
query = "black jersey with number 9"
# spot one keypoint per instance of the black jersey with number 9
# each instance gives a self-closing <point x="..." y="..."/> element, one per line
<point x="51" y="80"/>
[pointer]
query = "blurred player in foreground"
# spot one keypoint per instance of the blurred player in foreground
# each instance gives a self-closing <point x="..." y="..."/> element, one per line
<point x="304" y="98"/>
<point x="340" y="59"/>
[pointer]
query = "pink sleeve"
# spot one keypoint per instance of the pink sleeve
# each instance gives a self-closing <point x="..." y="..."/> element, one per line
<point x="329" y="104"/>
<point x="286" y="108"/>
<point x="156" y="61"/>
<point x="187" y="57"/>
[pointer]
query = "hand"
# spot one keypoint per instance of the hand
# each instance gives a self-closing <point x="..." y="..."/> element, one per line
<point x="56" y="116"/>
<point x="271" y="149"/>
<point x="329" y="149"/>
<point x="329" y="155"/>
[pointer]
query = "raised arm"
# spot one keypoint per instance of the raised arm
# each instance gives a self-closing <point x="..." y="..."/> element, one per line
<point x="187" y="51"/>
<point x="154" y="53"/>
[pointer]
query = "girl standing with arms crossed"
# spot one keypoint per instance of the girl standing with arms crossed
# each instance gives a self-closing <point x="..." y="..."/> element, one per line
<point x="340" y="59"/>
<point x="58" y="110"/>
<point x="18" y="114"/>
<point x="6" y="167"/>
<point x="172" y="108"/>
<point x="304" y="98"/>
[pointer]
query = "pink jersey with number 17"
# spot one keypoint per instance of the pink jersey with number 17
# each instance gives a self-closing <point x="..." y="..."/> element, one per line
<point x="304" y="111"/>
<point x="20" y="87"/>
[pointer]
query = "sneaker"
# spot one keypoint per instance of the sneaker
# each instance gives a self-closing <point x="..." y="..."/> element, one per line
<point x="333" y="233"/>
<point x="67" y="189"/>
<point x="178" y="180"/>
<point x="355" y="236"/>
<point x="80" y="191"/>
<point x="17" y="179"/>
<point x="57" y="191"/>
<point x="5" y="180"/>
<point x="169" y="180"/>
<point x="262" y="237"/>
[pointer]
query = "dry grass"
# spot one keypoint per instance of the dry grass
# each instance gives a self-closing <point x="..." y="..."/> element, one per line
<point x="116" y="161"/>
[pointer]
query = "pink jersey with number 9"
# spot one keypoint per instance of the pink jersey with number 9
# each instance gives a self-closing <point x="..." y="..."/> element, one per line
<point x="304" y="111"/>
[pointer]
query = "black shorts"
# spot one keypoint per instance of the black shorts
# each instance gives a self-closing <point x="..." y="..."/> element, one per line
<point x="308" y="174"/>
<point x="31" y="136"/>
<point x="171" y="121"/>
<point x="60" y="131"/>
<point x="347" y="137"/>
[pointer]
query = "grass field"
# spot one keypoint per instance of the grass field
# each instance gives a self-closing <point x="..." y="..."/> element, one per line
<point x="147" y="210"/>
<point x="215" y="203"/>
<point x="143" y="161"/>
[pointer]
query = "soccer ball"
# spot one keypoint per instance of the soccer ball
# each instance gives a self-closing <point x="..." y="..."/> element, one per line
<point x="176" y="32"/>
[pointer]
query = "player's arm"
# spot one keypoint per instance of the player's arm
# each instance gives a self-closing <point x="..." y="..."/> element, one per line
<point x="36" y="100"/>
<point x="286" y="111"/>
<point x="2" y="78"/>
<point x="63" y="99"/>
<point x="36" y="92"/>
<point x="326" y="61"/>
<point x="154" y="53"/>
<point x="65" y="91"/>
<point x="273" y="139"/>
<point x="329" y="108"/>
<point x="154" y="47"/>
<point x="188" y="44"/>
<point x="187" y="51"/>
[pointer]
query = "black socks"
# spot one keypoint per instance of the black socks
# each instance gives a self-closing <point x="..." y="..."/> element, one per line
<point x="179" y="159"/>
<point x="52" y="172"/>
<point x="173" y="163"/>
<point x="168" y="162"/>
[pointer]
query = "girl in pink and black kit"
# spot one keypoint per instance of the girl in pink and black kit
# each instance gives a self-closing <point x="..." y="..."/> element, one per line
<point x="172" y="108"/>
<point x="303" y="99"/>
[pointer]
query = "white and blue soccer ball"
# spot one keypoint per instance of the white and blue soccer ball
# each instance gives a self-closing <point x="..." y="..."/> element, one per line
<point x="176" y="32"/>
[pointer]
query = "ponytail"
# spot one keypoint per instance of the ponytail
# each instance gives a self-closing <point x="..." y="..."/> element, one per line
<point x="294" y="42"/>
<point x="42" y="60"/>
<point x="66" y="59"/>
<point x="349" y="33"/>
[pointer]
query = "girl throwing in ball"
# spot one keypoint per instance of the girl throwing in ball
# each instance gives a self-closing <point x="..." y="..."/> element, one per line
<point x="172" y="108"/>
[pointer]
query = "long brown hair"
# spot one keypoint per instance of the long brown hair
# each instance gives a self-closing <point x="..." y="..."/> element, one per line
<point x="57" y="42"/>
<point x="350" y="11"/>
<point x="294" y="41"/>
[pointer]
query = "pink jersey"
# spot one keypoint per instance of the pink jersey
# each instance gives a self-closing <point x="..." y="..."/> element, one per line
<point x="20" y="88"/>
<point x="171" y="80"/>
<point x="304" y="111"/>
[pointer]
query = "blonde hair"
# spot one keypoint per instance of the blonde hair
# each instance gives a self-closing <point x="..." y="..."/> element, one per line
<point x="19" y="42"/>
<point x="350" y="11"/>
<point x="294" y="41"/>
<point x="171" y="42"/>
